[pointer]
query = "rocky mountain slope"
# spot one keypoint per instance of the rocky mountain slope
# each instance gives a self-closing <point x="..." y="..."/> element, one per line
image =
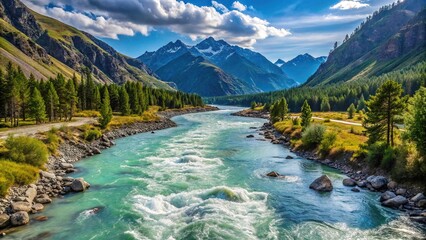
<point x="301" y="67"/>
<point x="45" y="47"/>
<point x="393" y="38"/>
<point x="251" y="71"/>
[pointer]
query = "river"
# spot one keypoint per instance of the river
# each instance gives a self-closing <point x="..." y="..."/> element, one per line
<point x="205" y="180"/>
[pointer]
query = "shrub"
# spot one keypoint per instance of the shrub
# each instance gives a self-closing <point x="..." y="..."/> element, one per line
<point x="26" y="150"/>
<point x="328" y="141"/>
<point x="5" y="184"/>
<point x="295" y="121"/>
<point x="389" y="157"/>
<point x="327" y="120"/>
<point x="12" y="173"/>
<point x="313" y="135"/>
<point x="92" y="134"/>
<point x="375" y="153"/>
<point x="52" y="141"/>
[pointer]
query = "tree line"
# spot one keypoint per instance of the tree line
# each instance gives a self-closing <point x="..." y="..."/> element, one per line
<point x="333" y="97"/>
<point x="57" y="99"/>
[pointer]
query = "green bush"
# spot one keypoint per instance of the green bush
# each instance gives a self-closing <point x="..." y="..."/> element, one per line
<point x="313" y="135"/>
<point x="328" y="141"/>
<point x="52" y="141"/>
<point x="295" y="121"/>
<point x="26" y="150"/>
<point x="92" y="134"/>
<point x="375" y="153"/>
<point x="12" y="173"/>
<point x="389" y="157"/>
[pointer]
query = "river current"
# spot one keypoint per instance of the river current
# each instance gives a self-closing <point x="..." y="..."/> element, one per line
<point x="205" y="180"/>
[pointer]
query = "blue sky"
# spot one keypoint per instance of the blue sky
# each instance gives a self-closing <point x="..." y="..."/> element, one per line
<point x="275" y="28"/>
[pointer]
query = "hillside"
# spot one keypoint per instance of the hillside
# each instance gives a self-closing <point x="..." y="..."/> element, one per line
<point x="44" y="47"/>
<point x="301" y="67"/>
<point x="196" y="75"/>
<point x="393" y="38"/>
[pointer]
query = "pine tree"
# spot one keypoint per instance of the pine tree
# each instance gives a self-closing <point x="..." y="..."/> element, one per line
<point x="361" y="103"/>
<point x="351" y="111"/>
<point x="416" y="121"/>
<point x="52" y="102"/>
<point x="253" y="105"/>
<point x="71" y="99"/>
<point x="306" y="115"/>
<point x="106" y="110"/>
<point x="383" y="112"/>
<point x="283" y="109"/>
<point x="325" y="105"/>
<point x="36" y="106"/>
<point x="124" y="102"/>
<point x="96" y="100"/>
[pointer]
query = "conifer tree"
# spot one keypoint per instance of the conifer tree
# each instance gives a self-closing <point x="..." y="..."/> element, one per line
<point x="124" y="102"/>
<point x="51" y="101"/>
<point x="383" y="112"/>
<point x="325" y="105"/>
<point x="106" y="110"/>
<point x="96" y="100"/>
<point x="306" y="115"/>
<point x="416" y="121"/>
<point x="71" y="99"/>
<point x="283" y="109"/>
<point x="361" y="103"/>
<point x="36" y="106"/>
<point x="351" y="111"/>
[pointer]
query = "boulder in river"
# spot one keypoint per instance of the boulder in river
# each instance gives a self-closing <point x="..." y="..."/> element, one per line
<point x="322" y="184"/>
<point x="37" y="207"/>
<point x="41" y="218"/>
<point x="395" y="202"/>
<point x="43" y="199"/>
<point x="355" y="189"/>
<point x="273" y="174"/>
<point x="387" y="195"/>
<point x="250" y="136"/>
<point x="418" y="197"/>
<point x="19" y="218"/>
<point x="289" y="157"/>
<point x="4" y="220"/>
<point x="377" y="182"/>
<point x="361" y="184"/>
<point x="349" y="182"/>
<point x="79" y="185"/>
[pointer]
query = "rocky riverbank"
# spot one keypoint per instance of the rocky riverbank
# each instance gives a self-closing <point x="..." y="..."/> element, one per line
<point x="251" y="113"/>
<point x="407" y="198"/>
<point x="15" y="209"/>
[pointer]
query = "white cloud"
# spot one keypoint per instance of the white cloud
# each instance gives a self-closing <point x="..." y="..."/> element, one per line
<point x="239" y="6"/>
<point x="110" y="18"/>
<point x="349" y="4"/>
<point x="220" y="7"/>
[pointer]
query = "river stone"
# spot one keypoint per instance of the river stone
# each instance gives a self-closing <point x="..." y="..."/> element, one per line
<point x="361" y="184"/>
<point x="418" y="197"/>
<point x="349" y="182"/>
<point x="421" y="203"/>
<point x="355" y="189"/>
<point x="4" y="220"/>
<point x="19" y="218"/>
<point x="30" y="194"/>
<point x="289" y="157"/>
<point x="392" y="185"/>
<point x="43" y="199"/>
<point x="38" y="207"/>
<point x="79" y="185"/>
<point x="322" y="184"/>
<point x="66" y="165"/>
<point x="41" y="218"/>
<point x="47" y="174"/>
<point x="377" y="182"/>
<point x="401" y="191"/>
<point x="250" y="136"/>
<point x="395" y="202"/>
<point x="273" y="174"/>
<point x="21" y="206"/>
<point x="386" y="196"/>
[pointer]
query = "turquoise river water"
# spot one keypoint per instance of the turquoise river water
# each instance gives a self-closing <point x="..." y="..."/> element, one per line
<point x="205" y="180"/>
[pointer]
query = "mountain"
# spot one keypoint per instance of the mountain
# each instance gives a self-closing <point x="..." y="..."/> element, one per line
<point x="256" y="72"/>
<point x="45" y="47"/>
<point x="301" y="67"/>
<point x="279" y="62"/>
<point x="393" y="38"/>
<point x="206" y="79"/>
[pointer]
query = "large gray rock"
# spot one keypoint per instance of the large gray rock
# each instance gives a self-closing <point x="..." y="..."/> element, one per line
<point x="418" y="197"/>
<point x="377" y="182"/>
<point x="387" y="195"/>
<point x="4" y="220"/>
<point x="322" y="184"/>
<point x="421" y="203"/>
<point x="47" y="175"/>
<point x="395" y="202"/>
<point x="401" y="191"/>
<point x="392" y="185"/>
<point x="21" y="206"/>
<point x="30" y="194"/>
<point x="66" y="165"/>
<point x="349" y="182"/>
<point x="19" y="218"/>
<point x="79" y="185"/>
<point x="38" y="207"/>
<point x="43" y="199"/>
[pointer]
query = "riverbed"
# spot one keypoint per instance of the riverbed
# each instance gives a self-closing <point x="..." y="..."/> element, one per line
<point x="206" y="180"/>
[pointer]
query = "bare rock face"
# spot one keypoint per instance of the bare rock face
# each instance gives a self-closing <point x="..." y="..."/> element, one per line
<point x="19" y="218"/>
<point x="322" y="184"/>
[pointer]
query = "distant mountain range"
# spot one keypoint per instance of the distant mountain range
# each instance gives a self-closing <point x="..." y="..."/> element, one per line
<point x="393" y="38"/>
<point x="44" y="47"/>
<point x="301" y="67"/>
<point x="231" y="69"/>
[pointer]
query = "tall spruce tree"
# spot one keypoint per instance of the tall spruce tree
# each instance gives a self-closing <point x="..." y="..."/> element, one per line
<point x="72" y="99"/>
<point x="124" y="102"/>
<point x="351" y="111"/>
<point x="325" y="105"/>
<point x="106" y="110"/>
<point x="306" y="115"/>
<point x="36" y="106"/>
<point x="416" y="121"/>
<point x="383" y="112"/>
<point x="283" y="109"/>
<point x="51" y="101"/>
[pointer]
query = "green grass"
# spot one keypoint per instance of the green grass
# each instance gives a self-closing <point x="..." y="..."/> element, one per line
<point x="12" y="173"/>
<point x="148" y="116"/>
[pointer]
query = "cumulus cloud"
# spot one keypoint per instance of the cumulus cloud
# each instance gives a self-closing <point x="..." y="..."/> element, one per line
<point x="349" y="4"/>
<point x="220" y="7"/>
<point x="239" y="6"/>
<point x="110" y="18"/>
